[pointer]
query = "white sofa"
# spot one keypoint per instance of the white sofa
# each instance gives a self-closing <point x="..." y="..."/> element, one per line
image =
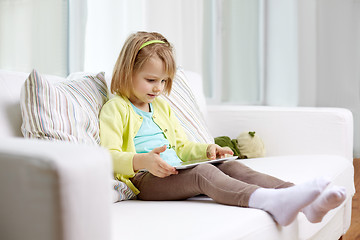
<point x="58" y="190"/>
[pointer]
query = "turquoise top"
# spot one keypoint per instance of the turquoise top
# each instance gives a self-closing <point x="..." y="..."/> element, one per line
<point x="150" y="136"/>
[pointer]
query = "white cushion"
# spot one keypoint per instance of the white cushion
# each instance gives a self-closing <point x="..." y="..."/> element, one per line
<point x="194" y="220"/>
<point x="121" y="191"/>
<point x="184" y="104"/>
<point x="63" y="110"/>
<point x="194" y="80"/>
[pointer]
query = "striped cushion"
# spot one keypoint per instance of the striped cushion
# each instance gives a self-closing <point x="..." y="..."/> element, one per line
<point x="183" y="103"/>
<point x="63" y="110"/>
<point x="121" y="191"/>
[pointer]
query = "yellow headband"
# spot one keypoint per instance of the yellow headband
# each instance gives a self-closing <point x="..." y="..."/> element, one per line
<point x="150" y="42"/>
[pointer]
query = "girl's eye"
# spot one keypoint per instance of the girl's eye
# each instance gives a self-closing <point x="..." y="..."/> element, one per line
<point x="150" y="80"/>
<point x="163" y="81"/>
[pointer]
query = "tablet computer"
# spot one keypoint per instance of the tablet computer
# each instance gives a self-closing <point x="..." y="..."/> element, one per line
<point x="193" y="163"/>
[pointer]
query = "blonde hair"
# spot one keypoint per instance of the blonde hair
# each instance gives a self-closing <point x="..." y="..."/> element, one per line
<point x="131" y="60"/>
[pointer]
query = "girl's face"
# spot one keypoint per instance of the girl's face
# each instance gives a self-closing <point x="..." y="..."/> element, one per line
<point x="148" y="83"/>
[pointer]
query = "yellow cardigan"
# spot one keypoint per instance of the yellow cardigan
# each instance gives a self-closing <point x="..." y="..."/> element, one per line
<point x="119" y="125"/>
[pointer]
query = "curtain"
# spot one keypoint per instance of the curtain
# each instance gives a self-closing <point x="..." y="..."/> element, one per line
<point x="241" y="56"/>
<point x="232" y="51"/>
<point x="110" y="22"/>
<point x="34" y="34"/>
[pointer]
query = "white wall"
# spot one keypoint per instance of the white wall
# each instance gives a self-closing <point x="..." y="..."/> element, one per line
<point x="316" y="48"/>
<point x="338" y="58"/>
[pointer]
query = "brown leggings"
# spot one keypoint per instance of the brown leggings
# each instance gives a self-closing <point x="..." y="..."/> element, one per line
<point x="229" y="183"/>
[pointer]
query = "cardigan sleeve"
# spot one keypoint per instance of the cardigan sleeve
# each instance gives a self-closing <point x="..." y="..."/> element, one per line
<point x="113" y="135"/>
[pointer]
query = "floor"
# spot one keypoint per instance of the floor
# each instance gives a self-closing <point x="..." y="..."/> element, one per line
<point x="354" y="232"/>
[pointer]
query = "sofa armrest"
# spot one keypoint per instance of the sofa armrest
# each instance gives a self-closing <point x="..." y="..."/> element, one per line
<point x="54" y="190"/>
<point x="288" y="131"/>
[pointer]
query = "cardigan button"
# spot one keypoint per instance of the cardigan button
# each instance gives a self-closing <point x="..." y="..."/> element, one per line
<point x="165" y="130"/>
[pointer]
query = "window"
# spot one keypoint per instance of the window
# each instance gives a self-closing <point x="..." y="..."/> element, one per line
<point x="34" y="34"/>
<point x="233" y="51"/>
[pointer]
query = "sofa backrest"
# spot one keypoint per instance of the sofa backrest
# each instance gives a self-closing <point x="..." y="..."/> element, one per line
<point x="11" y="83"/>
<point x="10" y="114"/>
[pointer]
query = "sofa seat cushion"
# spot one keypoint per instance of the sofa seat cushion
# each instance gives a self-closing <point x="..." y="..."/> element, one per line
<point x="301" y="168"/>
<point x="201" y="218"/>
<point x="193" y="219"/>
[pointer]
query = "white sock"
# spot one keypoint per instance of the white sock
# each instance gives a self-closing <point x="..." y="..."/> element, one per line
<point x="329" y="199"/>
<point x="285" y="203"/>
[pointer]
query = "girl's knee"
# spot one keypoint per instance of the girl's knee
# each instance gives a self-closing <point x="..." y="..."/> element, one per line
<point x="204" y="168"/>
<point x="203" y="175"/>
<point x="235" y="167"/>
<point x="232" y="165"/>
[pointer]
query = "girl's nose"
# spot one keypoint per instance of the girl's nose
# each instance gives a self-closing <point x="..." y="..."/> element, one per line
<point x="157" y="88"/>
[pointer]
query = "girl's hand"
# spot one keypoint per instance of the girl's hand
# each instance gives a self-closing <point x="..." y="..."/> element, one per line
<point x="156" y="165"/>
<point x="214" y="151"/>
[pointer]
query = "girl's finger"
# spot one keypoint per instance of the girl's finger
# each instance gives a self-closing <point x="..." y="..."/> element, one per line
<point x="166" y="169"/>
<point x="163" y="174"/>
<point x="229" y="151"/>
<point x="159" y="150"/>
<point x="170" y="170"/>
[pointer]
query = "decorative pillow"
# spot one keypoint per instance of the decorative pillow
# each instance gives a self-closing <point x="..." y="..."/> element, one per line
<point x="63" y="110"/>
<point x="183" y="103"/>
<point x="121" y="191"/>
<point x="250" y="145"/>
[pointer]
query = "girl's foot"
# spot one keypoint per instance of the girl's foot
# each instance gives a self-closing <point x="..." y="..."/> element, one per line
<point x="284" y="204"/>
<point x="329" y="199"/>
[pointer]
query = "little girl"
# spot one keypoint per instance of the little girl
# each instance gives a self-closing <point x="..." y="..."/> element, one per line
<point x="146" y="140"/>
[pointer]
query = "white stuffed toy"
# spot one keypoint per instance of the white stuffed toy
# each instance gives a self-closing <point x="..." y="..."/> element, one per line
<point x="250" y="145"/>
